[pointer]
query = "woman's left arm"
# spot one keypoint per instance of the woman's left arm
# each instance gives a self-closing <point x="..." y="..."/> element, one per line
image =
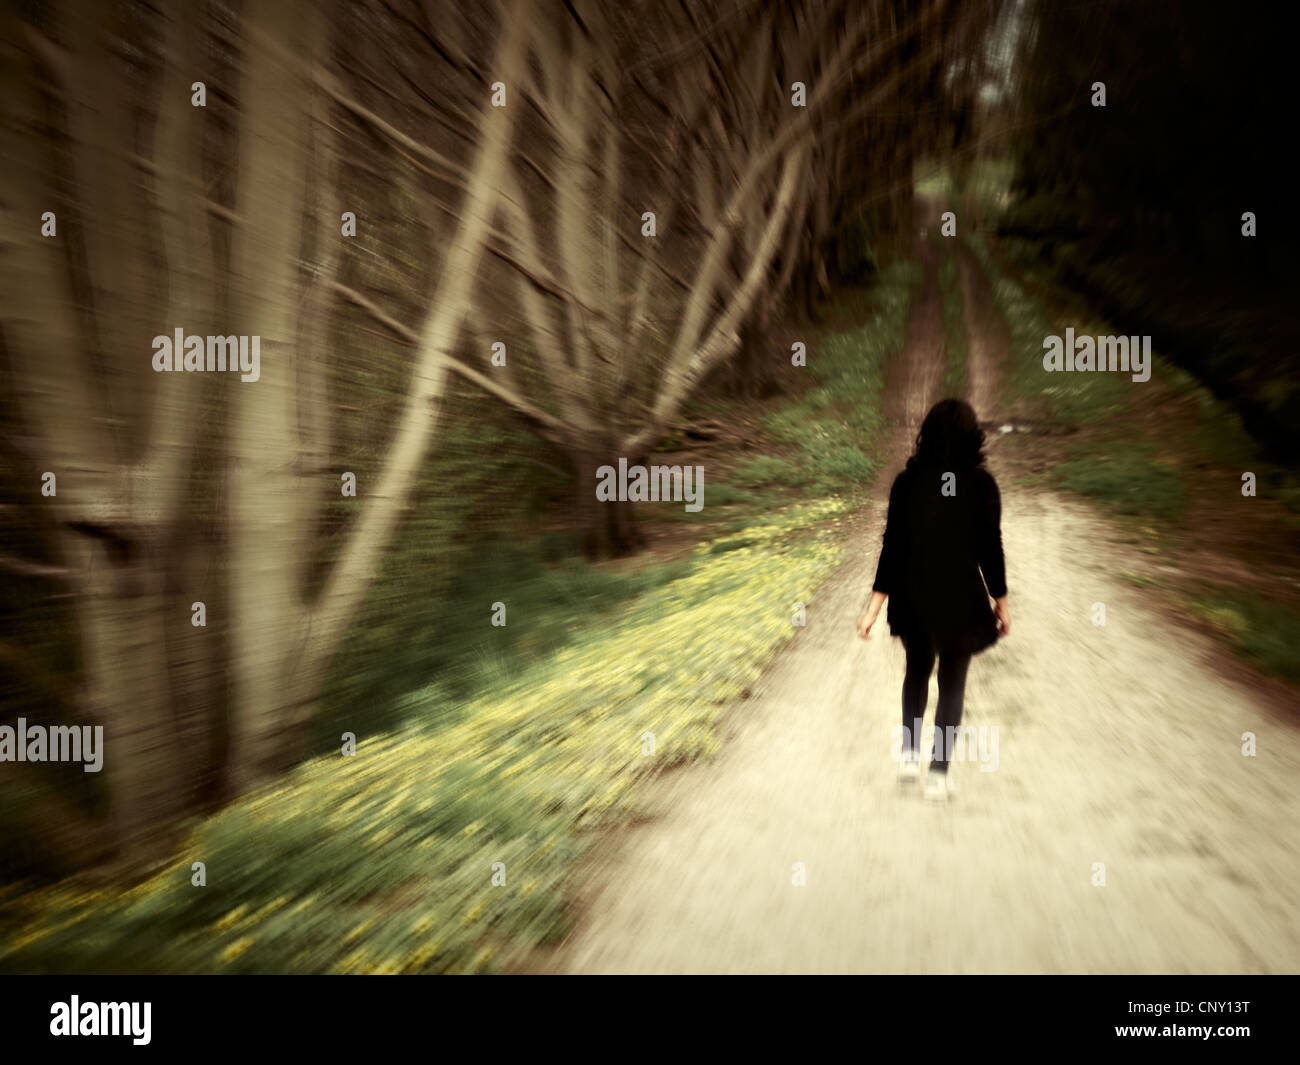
<point x="992" y="562"/>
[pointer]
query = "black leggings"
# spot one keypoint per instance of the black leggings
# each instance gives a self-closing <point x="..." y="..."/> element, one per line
<point x="916" y="685"/>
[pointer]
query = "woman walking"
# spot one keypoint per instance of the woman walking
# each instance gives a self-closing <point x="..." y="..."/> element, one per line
<point x="940" y="563"/>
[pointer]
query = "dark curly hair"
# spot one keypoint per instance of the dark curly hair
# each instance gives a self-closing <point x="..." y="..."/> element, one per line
<point x="950" y="437"/>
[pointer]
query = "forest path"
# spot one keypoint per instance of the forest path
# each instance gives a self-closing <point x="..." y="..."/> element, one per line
<point x="1116" y="744"/>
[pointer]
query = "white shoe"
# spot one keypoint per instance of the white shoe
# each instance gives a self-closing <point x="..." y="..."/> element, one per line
<point x="937" y="786"/>
<point x="909" y="768"/>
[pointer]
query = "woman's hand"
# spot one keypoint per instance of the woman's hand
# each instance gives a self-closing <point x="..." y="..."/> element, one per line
<point x="870" y="614"/>
<point x="1002" y="615"/>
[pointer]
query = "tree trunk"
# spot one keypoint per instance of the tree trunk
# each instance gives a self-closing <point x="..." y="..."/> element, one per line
<point x="266" y="598"/>
<point x="607" y="527"/>
<point x="124" y="626"/>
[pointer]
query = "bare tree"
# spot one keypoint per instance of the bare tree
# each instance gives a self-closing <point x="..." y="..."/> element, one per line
<point x="143" y="246"/>
<point x="720" y="145"/>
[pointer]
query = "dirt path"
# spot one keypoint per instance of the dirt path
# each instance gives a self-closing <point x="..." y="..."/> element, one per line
<point x="1116" y="745"/>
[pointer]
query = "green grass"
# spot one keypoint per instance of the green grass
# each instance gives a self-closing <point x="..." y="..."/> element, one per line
<point x="931" y="179"/>
<point x="1129" y="482"/>
<point x="825" y="431"/>
<point x="823" y="442"/>
<point x="552" y="598"/>
<point x="1061" y="398"/>
<point x="1263" y="631"/>
<point x="765" y="470"/>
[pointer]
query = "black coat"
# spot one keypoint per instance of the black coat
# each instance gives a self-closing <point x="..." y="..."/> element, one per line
<point x="935" y="549"/>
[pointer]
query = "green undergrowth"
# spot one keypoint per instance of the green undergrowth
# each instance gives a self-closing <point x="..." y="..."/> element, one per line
<point x="1061" y="399"/>
<point x="1261" y="630"/>
<point x="1131" y="460"/>
<point x="384" y="861"/>
<point x="1121" y="462"/>
<point x="827" y="440"/>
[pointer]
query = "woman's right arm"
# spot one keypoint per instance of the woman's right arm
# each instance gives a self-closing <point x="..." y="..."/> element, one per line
<point x="887" y="566"/>
<point x="871" y="613"/>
